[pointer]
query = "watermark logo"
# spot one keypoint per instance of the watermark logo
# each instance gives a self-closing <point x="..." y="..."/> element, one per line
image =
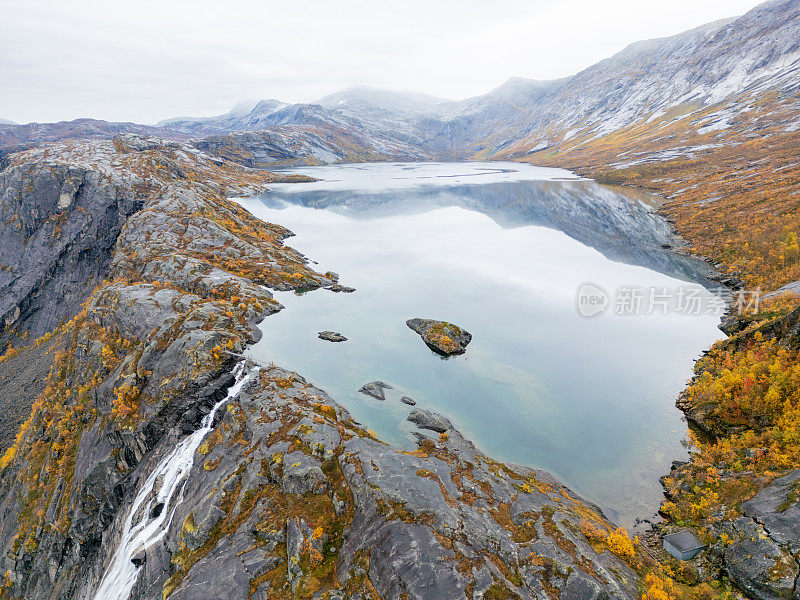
<point x="591" y="300"/>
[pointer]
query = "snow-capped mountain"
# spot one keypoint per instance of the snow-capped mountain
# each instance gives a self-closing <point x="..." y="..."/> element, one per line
<point x="725" y="61"/>
<point x="727" y="65"/>
<point x="243" y="117"/>
<point x="369" y="98"/>
<point x="757" y="52"/>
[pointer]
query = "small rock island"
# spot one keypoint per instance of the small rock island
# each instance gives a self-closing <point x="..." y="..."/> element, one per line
<point x="375" y="389"/>
<point x="440" y="336"/>
<point x="331" y="336"/>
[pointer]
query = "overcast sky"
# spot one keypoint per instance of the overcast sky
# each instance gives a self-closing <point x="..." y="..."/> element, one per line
<point x="147" y="60"/>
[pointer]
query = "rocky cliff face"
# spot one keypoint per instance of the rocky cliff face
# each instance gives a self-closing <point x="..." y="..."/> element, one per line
<point x="58" y="226"/>
<point x="286" y="496"/>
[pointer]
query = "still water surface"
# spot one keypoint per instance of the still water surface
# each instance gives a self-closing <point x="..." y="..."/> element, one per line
<point x="500" y="249"/>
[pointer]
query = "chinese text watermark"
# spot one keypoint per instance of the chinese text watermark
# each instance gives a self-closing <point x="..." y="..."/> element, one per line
<point x="629" y="300"/>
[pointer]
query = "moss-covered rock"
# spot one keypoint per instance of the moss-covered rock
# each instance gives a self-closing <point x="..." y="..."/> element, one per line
<point x="440" y="336"/>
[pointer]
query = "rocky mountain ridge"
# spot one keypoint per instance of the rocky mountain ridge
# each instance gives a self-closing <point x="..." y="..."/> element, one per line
<point x="724" y="64"/>
<point x="728" y="65"/>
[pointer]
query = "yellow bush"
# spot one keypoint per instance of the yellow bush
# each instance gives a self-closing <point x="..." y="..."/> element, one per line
<point x="7" y="457"/>
<point x="659" y="586"/>
<point x="617" y="540"/>
<point x="620" y="544"/>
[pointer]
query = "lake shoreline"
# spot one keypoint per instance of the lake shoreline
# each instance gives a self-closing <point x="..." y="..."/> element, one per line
<point x="734" y="463"/>
<point x="317" y="198"/>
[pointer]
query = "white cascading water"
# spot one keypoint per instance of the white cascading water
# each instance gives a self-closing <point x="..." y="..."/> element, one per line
<point x="120" y="577"/>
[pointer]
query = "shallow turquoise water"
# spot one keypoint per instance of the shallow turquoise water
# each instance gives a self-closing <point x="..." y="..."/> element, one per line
<point x="495" y="248"/>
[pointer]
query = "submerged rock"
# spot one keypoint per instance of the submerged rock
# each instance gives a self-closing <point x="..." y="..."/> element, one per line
<point x="375" y="389"/>
<point x="442" y="337"/>
<point x="331" y="336"/>
<point x="407" y="400"/>
<point x="425" y="419"/>
<point x="338" y="287"/>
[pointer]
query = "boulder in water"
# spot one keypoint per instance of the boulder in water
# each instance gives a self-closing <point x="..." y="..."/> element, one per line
<point x="425" y="419"/>
<point x="331" y="336"/>
<point x="375" y="389"/>
<point x="440" y="336"/>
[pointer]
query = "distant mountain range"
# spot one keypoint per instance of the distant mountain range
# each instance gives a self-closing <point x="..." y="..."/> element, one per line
<point x="725" y="64"/>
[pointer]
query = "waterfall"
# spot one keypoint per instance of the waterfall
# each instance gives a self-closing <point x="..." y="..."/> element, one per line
<point x="152" y="524"/>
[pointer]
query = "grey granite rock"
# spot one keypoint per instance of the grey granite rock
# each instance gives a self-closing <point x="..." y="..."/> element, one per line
<point x="58" y="227"/>
<point x="302" y="474"/>
<point x="758" y="565"/>
<point x="761" y="560"/>
<point x="777" y="508"/>
<point x="375" y="389"/>
<point x="440" y="336"/>
<point x="331" y="336"/>
<point x="426" y="419"/>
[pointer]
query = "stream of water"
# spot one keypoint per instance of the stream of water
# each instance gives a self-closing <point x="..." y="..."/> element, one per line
<point x="151" y="513"/>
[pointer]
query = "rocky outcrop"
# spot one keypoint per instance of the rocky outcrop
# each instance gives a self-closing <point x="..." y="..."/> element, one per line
<point x="777" y="509"/>
<point x="293" y="497"/>
<point x="759" y="566"/>
<point x="425" y="419"/>
<point x="440" y="336"/>
<point x="762" y="561"/>
<point x="58" y="227"/>
<point x="375" y="389"/>
<point x="331" y="336"/>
